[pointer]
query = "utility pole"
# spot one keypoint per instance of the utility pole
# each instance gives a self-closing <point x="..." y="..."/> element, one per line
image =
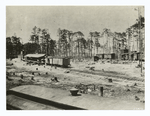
<point x="91" y="43"/>
<point x="46" y="44"/>
<point x="103" y="43"/>
<point x="46" y="37"/>
<point x="140" y="40"/>
<point x="129" y="44"/>
<point x="128" y="36"/>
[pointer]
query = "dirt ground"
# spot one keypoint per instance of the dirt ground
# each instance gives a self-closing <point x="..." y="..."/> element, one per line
<point x="127" y="82"/>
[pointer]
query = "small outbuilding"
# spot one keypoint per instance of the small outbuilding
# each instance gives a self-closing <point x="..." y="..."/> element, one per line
<point x="35" y="58"/>
<point x="59" y="61"/>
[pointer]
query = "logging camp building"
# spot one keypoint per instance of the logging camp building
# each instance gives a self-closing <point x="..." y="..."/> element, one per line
<point x="112" y="46"/>
<point x="122" y="46"/>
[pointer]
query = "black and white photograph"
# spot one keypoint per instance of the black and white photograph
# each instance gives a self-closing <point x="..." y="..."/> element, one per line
<point x="75" y="57"/>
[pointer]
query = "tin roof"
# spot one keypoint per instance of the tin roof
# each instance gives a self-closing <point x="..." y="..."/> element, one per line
<point x="35" y="55"/>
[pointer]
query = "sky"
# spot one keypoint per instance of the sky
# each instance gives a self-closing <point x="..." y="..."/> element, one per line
<point x="21" y="19"/>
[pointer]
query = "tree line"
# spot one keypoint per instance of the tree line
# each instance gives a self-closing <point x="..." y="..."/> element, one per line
<point x="69" y="43"/>
<point x="13" y="46"/>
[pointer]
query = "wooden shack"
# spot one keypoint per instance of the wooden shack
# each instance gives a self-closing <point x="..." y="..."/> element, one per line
<point x="66" y="62"/>
<point x="109" y="56"/>
<point x="101" y="56"/>
<point x="34" y="57"/>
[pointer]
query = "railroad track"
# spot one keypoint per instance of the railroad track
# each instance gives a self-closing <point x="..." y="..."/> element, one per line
<point x="109" y="74"/>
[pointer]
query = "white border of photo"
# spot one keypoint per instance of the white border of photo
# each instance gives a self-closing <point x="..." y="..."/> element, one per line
<point x="5" y="3"/>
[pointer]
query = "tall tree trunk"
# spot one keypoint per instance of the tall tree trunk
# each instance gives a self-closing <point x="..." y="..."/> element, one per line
<point x="91" y="49"/>
<point x="81" y="50"/>
<point x="91" y="46"/>
<point x="84" y="51"/>
<point x="78" y="49"/>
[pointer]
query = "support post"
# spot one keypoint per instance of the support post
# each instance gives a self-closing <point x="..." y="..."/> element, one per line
<point x="101" y="91"/>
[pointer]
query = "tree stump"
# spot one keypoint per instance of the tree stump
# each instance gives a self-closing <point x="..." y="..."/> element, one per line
<point x="94" y="87"/>
<point x="101" y="91"/>
<point x="110" y="80"/>
<point x="21" y="76"/>
<point x="135" y="84"/>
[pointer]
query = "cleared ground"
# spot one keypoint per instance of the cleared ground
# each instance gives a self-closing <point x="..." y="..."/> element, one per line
<point x="127" y="83"/>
